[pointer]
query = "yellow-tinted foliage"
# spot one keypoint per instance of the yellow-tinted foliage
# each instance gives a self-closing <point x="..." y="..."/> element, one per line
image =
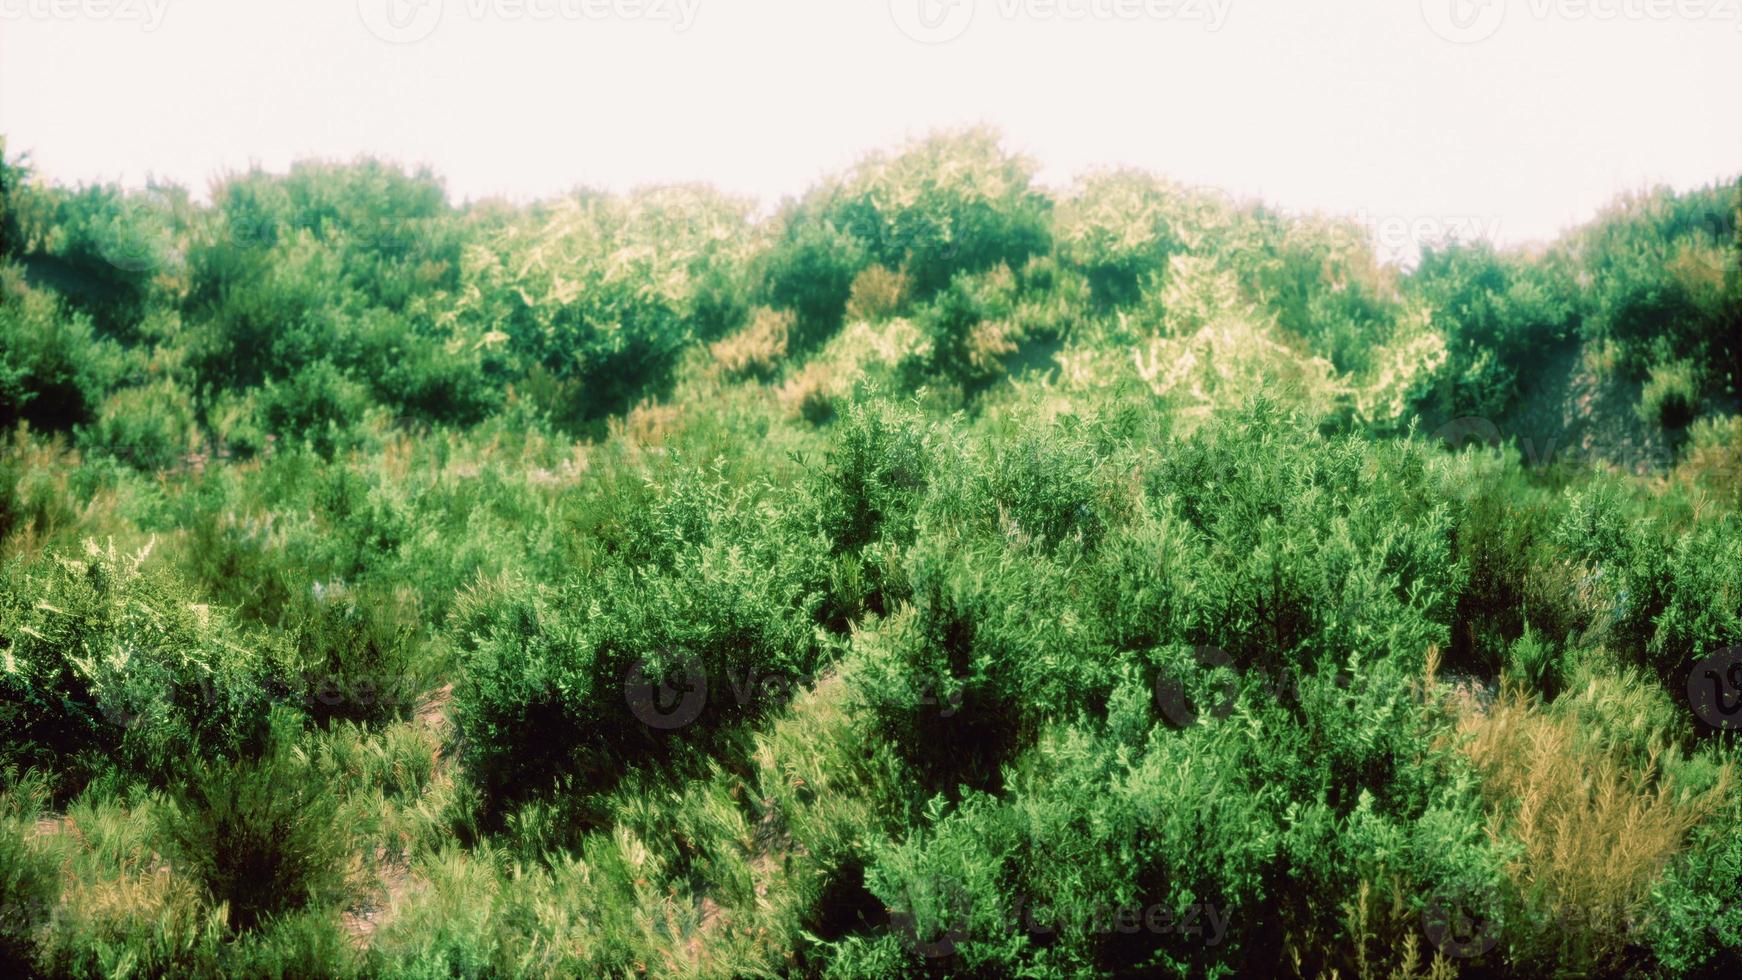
<point x="757" y="350"/>
<point x="877" y="294"/>
<point x="1594" y="824"/>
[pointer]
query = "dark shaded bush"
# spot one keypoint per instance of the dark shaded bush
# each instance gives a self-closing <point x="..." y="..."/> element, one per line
<point x="593" y="673"/>
<point x="150" y="428"/>
<point x="1670" y="399"/>
<point x="603" y="294"/>
<point x="1502" y="315"/>
<point x="811" y="271"/>
<point x="318" y="405"/>
<point x="1664" y="286"/>
<point x="1673" y="594"/>
<point x="355" y="660"/>
<point x="102" y="248"/>
<point x="259" y="833"/>
<point x="54" y="372"/>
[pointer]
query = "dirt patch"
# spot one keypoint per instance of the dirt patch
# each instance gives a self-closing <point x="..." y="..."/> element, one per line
<point x="1571" y="412"/>
<point x="393" y="879"/>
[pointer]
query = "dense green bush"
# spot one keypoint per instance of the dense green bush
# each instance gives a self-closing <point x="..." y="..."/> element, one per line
<point x="317" y="404"/>
<point x="605" y="293"/>
<point x="102" y="248"/>
<point x="1695" y="924"/>
<point x="1502" y="315"/>
<point x="867" y="497"/>
<point x="625" y="662"/>
<point x="1664" y="284"/>
<point x="29" y="882"/>
<point x="1120" y="228"/>
<point x="949" y="204"/>
<point x="934" y="577"/>
<point x="54" y="373"/>
<point x="108" y="661"/>
<point x="1673" y="594"/>
<point x="1323" y="282"/>
<point x="810" y="271"/>
<point x="152" y="427"/>
<point x="258" y="833"/>
<point x="354" y="660"/>
<point x="1671" y="397"/>
<point x="1520" y="594"/>
<point x="14" y="186"/>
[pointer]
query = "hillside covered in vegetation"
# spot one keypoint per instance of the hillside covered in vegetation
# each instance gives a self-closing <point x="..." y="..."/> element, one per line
<point x="942" y="576"/>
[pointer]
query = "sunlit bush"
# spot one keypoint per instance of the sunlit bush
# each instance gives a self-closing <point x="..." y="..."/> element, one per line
<point x="604" y="292"/>
<point x="951" y="203"/>
<point x="107" y="661"/>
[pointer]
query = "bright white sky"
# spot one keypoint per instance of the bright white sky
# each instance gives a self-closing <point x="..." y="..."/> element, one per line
<point x="1356" y="107"/>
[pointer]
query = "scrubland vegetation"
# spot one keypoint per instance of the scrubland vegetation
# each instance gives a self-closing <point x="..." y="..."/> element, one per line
<point x="943" y="576"/>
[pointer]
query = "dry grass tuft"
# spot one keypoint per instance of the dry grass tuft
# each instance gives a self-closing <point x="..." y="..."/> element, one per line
<point x="757" y="350"/>
<point x="1595" y="824"/>
<point x="877" y="294"/>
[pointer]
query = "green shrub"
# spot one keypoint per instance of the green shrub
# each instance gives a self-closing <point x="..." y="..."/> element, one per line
<point x="1516" y="580"/>
<point x="150" y="428"/>
<point x="257" y="311"/>
<point x="1294" y="568"/>
<point x="982" y="328"/>
<point x="259" y="833"/>
<point x="949" y="204"/>
<point x="424" y="376"/>
<point x="1694" y="927"/>
<point x="54" y="372"/>
<point x="108" y="661"/>
<point x="1671" y="397"/>
<point x="605" y="293"/>
<point x="317" y="404"/>
<point x="579" y="677"/>
<point x="1672" y="595"/>
<point x="355" y="662"/>
<point x="102" y="248"/>
<point x="1120" y="228"/>
<point x="991" y="650"/>
<point x="29" y="879"/>
<point x="811" y="271"/>
<point x="1663" y="287"/>
<point x="1502" y="316"/>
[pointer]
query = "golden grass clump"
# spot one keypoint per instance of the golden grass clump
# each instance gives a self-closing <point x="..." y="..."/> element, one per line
<point x="1713" y="460"/>
<point x="876" y="295"/>
<point x="1595" y="820"/>
<point x="757" y="350"/>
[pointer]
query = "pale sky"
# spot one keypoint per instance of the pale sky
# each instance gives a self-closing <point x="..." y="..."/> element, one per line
<point x="1517" y="117"/>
